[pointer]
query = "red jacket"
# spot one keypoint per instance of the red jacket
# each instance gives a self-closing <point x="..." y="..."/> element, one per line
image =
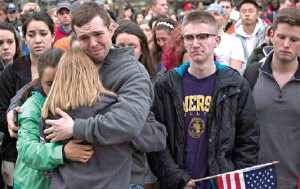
<point x="60" y="33"/>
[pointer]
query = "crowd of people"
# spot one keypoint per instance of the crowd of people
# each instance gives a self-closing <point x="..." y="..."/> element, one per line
<point x="89" y="100"/>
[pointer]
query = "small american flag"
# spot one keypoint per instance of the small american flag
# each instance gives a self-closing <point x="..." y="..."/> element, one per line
<point x="256" y="177"/>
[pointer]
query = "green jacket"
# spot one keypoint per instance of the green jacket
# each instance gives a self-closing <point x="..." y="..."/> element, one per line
<point x="35" y="159"/>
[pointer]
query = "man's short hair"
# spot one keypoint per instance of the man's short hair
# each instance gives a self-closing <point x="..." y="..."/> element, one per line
<point x="152" y="3"/>
<point x="3" y="7"/>
<point x="200" y="17"/>
<point x="289" y="16"/>
<point x="230" y="1"/>
<point x="86" y="12"/>
<point x="248" y="2"/>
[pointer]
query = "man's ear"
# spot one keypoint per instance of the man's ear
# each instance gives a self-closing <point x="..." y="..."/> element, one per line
<point x="111" y="29"/>
<point x="217" y="41"/>
<point x="271" y="35"/>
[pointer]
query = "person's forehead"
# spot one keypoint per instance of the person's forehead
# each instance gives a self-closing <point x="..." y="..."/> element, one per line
<point x="5" y="32"/>
<point x="162" y="32"/>
<point x="285" y="27"/>
<point x="95" y="25"/>
<point x="159" y="2"/>
<point x="248" y="6"/>
<point x="224" y="3"/>
<point x="192" y="28"/>
<point x="63" y="10"/>
<point x="37" y="25"/>
<point x="127" y="37"/>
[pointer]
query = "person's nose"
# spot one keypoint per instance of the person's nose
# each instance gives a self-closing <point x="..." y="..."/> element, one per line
<point x="38" y="39"/>
<point x="5" y="46"/>
<point x="93" y="42"/>
<point x="195" y="42"/>
<point x="161" y="44"/>
<point x="286" y="43"/>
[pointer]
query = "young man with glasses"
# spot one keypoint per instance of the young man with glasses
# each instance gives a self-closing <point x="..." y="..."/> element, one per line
<point x="208" y="111"/>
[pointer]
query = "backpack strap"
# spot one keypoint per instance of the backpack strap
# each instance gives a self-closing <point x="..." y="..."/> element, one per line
<point x="251" y="74"/>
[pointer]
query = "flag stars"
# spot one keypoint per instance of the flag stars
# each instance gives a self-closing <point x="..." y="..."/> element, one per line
<point x="262" y="178"/>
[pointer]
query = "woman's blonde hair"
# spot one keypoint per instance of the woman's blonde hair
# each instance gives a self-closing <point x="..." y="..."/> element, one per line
<point x="76" y="83"/>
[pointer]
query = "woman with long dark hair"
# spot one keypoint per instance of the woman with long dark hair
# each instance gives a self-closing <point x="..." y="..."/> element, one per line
<point x="130" y="35"/>
<point x="162" y="39"/>
<point x="38" y="31"/>
<point x="10" y="49"/>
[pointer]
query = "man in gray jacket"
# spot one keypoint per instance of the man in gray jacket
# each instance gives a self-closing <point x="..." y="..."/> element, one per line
<point x="119" y="72"/>
<point x="275" y="93"/>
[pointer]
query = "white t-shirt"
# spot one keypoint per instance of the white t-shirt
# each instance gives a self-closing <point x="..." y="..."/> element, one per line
<point x="230" y="48"/>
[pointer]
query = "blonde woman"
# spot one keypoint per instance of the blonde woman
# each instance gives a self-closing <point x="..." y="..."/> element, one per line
<point x="81" y="94"/>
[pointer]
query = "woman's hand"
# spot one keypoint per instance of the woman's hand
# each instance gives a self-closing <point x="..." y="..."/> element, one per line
<point x="75" y="151"/>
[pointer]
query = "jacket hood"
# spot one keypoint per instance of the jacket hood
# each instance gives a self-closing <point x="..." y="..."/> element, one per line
<point x="182" y="69"/>
<point x="239" y="27"/>
<point x="267" y="50"/>
<point x="117" y="53"/>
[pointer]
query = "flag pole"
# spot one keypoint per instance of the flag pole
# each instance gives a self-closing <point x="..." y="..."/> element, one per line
<point x="206" y="178"/>
<point x="215" y="176"/>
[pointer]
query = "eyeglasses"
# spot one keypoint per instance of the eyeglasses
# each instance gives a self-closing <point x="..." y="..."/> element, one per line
<point x="200" y="37"/>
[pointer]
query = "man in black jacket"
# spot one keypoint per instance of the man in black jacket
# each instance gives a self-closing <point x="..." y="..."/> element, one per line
<point x="208" y="111"/>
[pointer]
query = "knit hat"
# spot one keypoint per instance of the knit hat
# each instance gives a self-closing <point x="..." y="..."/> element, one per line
<point x="216" y="8"/>
<point x="144" y="21"/>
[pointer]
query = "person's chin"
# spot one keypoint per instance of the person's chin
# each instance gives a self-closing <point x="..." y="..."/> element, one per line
<point x="38" y="53"/>
<point x="97" y="57"/>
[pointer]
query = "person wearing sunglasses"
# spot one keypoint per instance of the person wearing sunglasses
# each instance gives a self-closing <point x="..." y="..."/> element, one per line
<point x="208" y="111"/>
